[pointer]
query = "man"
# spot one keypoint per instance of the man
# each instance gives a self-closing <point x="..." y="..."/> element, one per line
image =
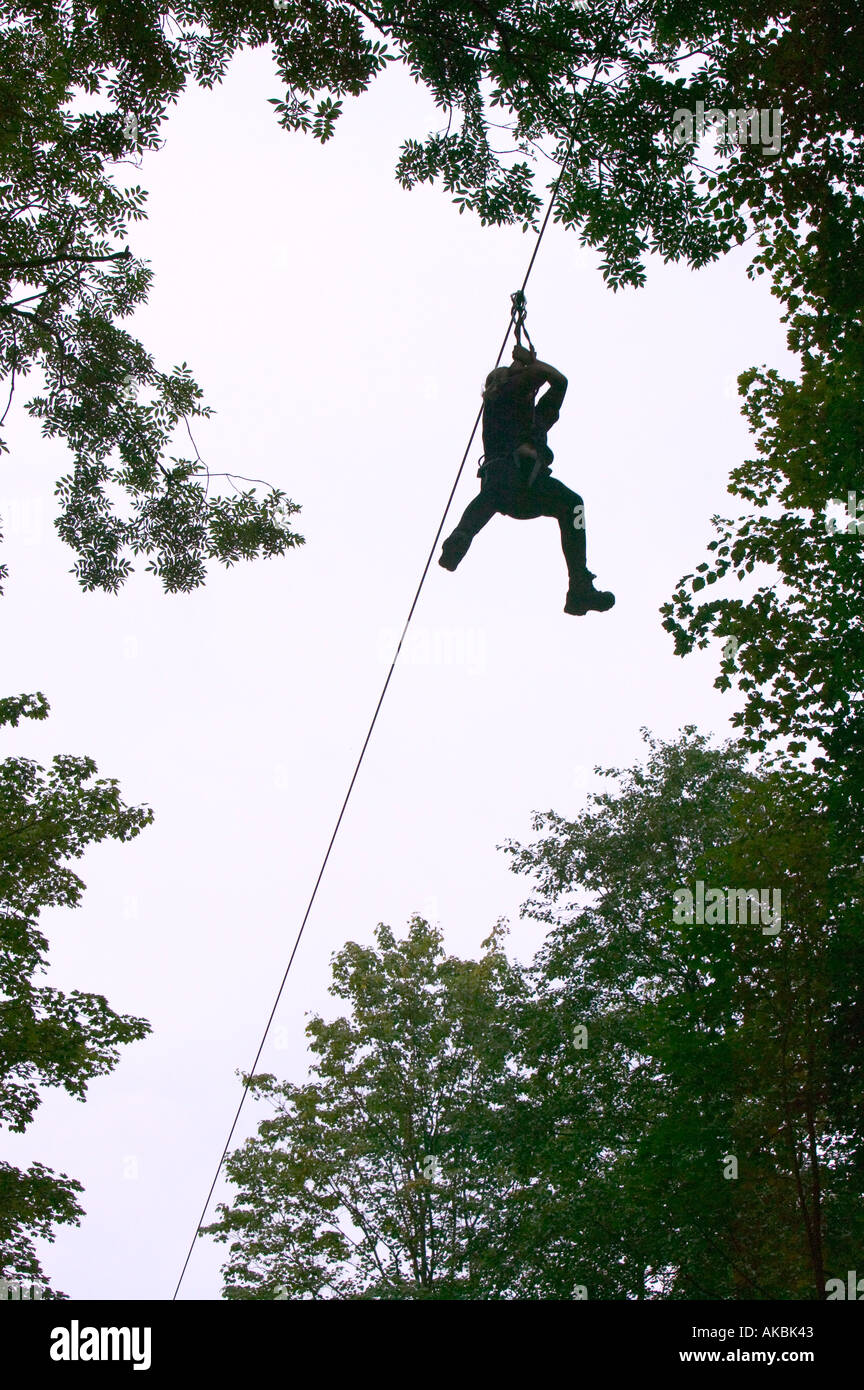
<point x="517" y="475"/>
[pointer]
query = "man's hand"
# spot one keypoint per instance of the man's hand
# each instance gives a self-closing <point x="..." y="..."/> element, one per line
<point x="523" y="356"/>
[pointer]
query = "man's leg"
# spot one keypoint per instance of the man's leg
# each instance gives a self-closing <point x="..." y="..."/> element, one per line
<point x="549" y="497"/>
<point x="474" y="518"/>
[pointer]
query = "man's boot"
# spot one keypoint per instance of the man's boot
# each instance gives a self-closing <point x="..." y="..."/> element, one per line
<point x="454" y="549"/>
<point x="583" y="598"/>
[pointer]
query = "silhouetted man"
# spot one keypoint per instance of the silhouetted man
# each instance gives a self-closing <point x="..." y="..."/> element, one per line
<point x="517" y="475"/>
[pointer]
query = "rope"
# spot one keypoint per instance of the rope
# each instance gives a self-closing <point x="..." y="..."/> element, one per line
<point x="517" y="320"/>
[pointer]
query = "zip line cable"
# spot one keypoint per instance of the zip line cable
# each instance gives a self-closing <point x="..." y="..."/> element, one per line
<point x="517" y="321"/>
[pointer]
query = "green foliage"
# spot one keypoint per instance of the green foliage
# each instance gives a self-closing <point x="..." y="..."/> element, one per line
<point x="377" y="1179"/>
<point x="703" y="1041"/>
<point x="800" y="657"/>
<point x="16" y="707"/>
<point x="84" y="91"/>
<point x="32" y="1202"/>
<point x="86" y="87"/>
<point x="48" y="1037"/>
<point x="584" y="1112"/>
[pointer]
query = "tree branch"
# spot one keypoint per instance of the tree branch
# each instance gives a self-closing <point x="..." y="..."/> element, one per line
<point x="9" y="264"/>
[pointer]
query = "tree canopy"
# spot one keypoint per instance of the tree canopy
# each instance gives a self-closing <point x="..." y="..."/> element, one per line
<point x="797" y="654"/>
<point x="695" y="1140"/>
<point x="379" y="1178"/>
<point x="48" y="1037"/>
<point x="655" y="1108"/>
<point x="87" y="86"/>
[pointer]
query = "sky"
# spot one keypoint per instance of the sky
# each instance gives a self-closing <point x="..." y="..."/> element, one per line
<point x="341" y="328"/>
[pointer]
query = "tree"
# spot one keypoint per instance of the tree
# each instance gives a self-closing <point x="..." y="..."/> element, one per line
<point x="48" y="1037"/>
<point x="797" y="647"/>
<point x="659" y="1107"/>
<point x="686" y="1132"/>
<point x="66" y="281"/>
<point x="793" y="644"/>
<point x="379" y="1178"/>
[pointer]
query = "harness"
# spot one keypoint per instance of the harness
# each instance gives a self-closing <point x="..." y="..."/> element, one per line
<point x="513" y="472"/>
<point x="506" y="472"/>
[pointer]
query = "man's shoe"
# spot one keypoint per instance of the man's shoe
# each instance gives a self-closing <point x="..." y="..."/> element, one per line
<point x="583" y="598"/>
<point x="453" y="549"/>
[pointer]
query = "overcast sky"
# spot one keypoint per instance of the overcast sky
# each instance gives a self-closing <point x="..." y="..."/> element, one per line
<point x="342" y="328"/>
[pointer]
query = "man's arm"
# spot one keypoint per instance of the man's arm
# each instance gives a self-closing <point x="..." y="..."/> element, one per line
<point x="535" y="374"/>
<point x="547" y="408"/>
